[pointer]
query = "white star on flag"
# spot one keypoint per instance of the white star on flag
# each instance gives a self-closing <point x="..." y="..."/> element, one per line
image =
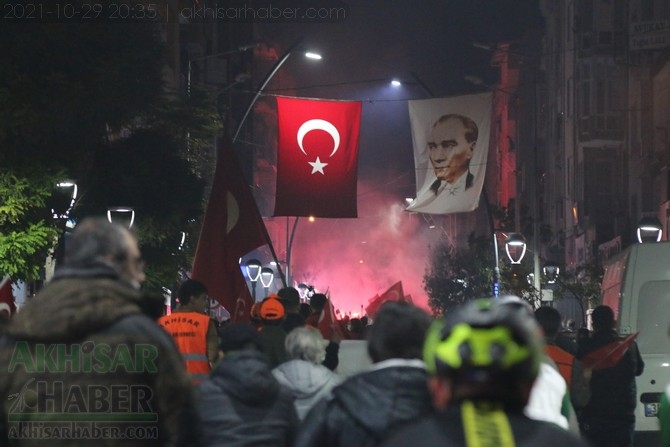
<point x="317" y="166"/>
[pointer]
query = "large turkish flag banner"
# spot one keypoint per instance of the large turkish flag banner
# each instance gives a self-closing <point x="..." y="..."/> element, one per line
<point x="317" y="160"/>
<point x="232" y="227"/>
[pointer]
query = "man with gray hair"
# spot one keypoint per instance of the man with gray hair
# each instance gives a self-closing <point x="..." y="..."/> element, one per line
<point x="88" y="360"/>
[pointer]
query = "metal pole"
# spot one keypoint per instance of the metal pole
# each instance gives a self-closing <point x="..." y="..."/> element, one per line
<point x="265" y="82"/>
<point x="496" y="269"/>
<point x="289" y="247"/>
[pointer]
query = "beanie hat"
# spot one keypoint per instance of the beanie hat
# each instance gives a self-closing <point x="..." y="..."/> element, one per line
<point x="272" y="308"/>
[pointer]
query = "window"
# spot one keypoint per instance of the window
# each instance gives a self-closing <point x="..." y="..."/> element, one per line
<point x="653" y="306"/>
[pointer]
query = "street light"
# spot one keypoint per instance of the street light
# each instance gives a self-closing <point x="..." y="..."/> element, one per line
<point x="253" y="268"/>
<point x="63" y="188"/>
<point x="515" y="246"/>
<point x="121" y="214"/>
<point x="551" y="272"/>
<point x="293" y="48"/>
<point x="267" y="276"/>
<point x="649" y="229"/>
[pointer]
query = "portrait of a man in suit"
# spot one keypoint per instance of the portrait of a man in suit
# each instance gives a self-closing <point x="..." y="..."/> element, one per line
<point x="451" y="145"/>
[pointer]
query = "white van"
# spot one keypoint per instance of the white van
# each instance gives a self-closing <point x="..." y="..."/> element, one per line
<point x="636" y="285"/>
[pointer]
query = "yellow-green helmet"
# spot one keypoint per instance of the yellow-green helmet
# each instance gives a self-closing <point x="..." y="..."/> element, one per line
<point x="484" y="339"/>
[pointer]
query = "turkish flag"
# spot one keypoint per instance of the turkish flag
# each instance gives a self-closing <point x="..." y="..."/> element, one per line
<point x="609" y="355"/>
<point x="7" y="305"/>
<point x="317" y="157"/>
<point x="232" y="227"/>
<point x="394" y="293"/>
<point x="327" y="323"/>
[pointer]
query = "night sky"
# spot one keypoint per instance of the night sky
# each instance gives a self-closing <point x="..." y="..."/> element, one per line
<point x="380" y="40"/>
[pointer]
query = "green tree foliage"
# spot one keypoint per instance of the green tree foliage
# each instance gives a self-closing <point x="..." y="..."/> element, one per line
<point x="28" y="232"/>
<point x="459" y="274"/>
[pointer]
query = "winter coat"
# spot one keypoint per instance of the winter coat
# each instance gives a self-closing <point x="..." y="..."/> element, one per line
<point x="613" y="390"/>
<point x="242" y="404"/>
<point x="365" y="408"/>
<point x="492" y="427"/>
<point x="308" y="381"/>
<point x="88" y="345"/>
<point x="273" y="338"/>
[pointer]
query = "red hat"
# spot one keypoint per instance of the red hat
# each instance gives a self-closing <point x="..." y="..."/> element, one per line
<point x="272" y="308"/>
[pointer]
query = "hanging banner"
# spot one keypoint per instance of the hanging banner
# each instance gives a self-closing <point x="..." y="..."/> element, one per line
<point x="451" y="144"/>
<point x="317" y="157"/>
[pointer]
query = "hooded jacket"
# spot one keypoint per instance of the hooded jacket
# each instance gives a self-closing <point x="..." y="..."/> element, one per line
<point x="363" y="409"/>
<point x="242" y="404"/>
<point x="308" y="381"/>
<point x="88" y="343"/>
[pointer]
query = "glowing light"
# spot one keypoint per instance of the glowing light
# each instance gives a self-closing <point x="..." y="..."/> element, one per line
<point x="311" y="218"/>
<point x="311" y="55"/>
<point x="396" y="83"/>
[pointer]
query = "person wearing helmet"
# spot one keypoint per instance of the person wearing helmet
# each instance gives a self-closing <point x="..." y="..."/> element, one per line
<point x="483" y="359"/>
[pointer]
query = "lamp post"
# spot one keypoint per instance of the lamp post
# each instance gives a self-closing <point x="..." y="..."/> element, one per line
<point x="121" y="214"/>
<point x="253" y="268"/>
<point x="515" y="246"/>
<point x="267" y="276"/>
<point x="293" y="48"/>
<point x="63" y="202"/>
<point x="67" y="189"/>
<point x="649" y="229"/>
<point x="551" y="273"/>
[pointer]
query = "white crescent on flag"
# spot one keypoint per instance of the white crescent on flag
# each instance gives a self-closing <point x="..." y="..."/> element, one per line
<point x="318" y="124"/>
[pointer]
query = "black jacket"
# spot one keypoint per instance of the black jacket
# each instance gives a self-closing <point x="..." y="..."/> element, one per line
<point x="99" y="335"/>
<point x="242" y="404"/>
<point x="613" y="390"/>
<point x="445" y="429"/>
<point x="366" y="407"/>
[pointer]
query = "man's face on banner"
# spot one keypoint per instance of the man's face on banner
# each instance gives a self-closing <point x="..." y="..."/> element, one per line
<point x="450" y="152"/>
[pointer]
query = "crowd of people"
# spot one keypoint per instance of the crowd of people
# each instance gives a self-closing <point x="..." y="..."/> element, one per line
<point x="93" y="359"/>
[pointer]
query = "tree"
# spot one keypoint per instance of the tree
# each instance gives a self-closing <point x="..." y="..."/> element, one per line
<point x="459" y="274"/>
<point x="147" y="172"/>
<point x="28" y="231"/>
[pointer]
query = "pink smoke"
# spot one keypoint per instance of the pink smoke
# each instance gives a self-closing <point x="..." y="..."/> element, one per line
<point x="355" y="259"/>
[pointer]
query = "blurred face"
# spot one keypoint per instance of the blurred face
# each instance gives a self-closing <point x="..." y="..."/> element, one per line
<point x="450" y="153"/>
<point x="132" y="268"/>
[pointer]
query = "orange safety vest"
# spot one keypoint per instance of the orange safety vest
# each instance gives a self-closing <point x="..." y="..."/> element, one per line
<point x="189" y="331"/>
<point x="563" y="359"/>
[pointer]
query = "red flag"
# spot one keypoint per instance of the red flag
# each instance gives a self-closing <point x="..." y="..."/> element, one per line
<point x="327" y="322"/>
<point x="373" y="305"/>
<point x="608" y="355"/>
<point x="394" y="293"/>
<point x="232" y="227"/>
<point x="317" y="157"/>
<point x="7" y="305"/>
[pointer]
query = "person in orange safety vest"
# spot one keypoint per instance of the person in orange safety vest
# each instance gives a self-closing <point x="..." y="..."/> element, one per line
<point x="193" y="330"/>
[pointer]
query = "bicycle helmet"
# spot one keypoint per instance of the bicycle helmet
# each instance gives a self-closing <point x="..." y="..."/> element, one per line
<point x="483" y="340"/>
